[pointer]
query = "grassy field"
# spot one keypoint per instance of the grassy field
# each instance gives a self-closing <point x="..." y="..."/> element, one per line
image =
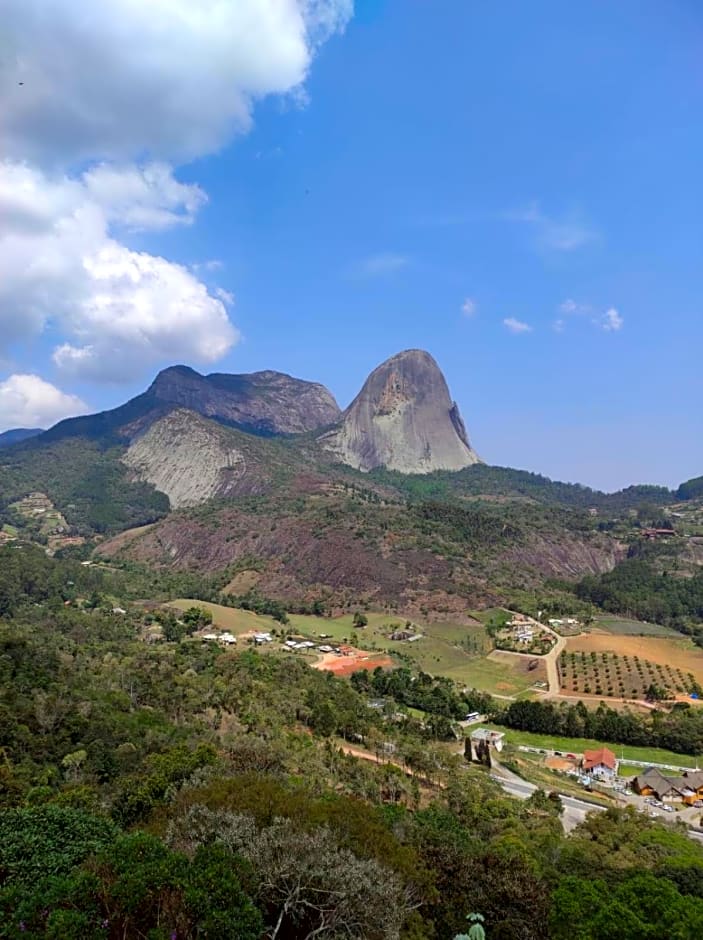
<point x="623" y="627"/>
<point x="454" y="650"/>
<point x="457" y="651"/>
<point x="579" y="745"/>
<point x="229" y="618"/>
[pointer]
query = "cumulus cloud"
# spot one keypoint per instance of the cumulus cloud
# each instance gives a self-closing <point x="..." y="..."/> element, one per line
<point x="146" y="198"/>
<point x="611" y="321"/>
<point x="516" y="326"/>
<point x="469" y="307"/>
<point x="124" y="89"/>
<point x="27" y="401"/>
<point x="172" y="79"/>
<point x="119" y="310"/>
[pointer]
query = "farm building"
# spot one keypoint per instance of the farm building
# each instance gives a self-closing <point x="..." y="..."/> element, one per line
<point x="601" y="764"/>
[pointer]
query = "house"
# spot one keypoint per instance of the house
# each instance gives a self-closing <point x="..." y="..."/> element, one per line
<point x="260" y="638"/>
<point x="601" y="764"/>
<point x="524" y="634"/>
<point x="652" y="782"/>
<point x="119" y="610"/>
<point x="653" y="534"/>
<point x="401" y="635"/>
<point x="227" y="638"/>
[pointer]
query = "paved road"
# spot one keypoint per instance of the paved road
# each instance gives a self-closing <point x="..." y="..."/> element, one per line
<point x="575" y="810"/>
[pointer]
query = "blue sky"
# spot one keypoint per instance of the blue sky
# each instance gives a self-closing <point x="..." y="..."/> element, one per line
<point x="514" y="187"/>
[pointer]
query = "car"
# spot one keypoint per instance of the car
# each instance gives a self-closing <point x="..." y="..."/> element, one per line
<point x="668" y="809"/>
<point x="698" y="804"/>
<point x="649" y="799"/>
<point x="557" y="753"/>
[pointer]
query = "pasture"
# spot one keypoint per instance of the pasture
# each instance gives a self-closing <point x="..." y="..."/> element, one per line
<point x="458" y="651"/>
<point x="228" y="618"/>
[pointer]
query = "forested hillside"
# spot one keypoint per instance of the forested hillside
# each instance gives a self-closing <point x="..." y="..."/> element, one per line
<point x="178" y="790"/>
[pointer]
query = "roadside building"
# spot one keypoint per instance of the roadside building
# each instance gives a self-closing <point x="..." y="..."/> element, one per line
<point x="687" y="788"/>
<point x="600" y="765"/>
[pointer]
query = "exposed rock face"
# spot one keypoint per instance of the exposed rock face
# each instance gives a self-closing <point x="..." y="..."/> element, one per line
<point x="188" y="458"/>
<point x="403" y="419"/>
<point x="262" y="402"/>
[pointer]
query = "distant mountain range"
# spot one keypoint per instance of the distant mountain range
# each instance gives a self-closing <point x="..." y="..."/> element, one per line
<point x="15" y="435"/>
<point x="387" y="500"/>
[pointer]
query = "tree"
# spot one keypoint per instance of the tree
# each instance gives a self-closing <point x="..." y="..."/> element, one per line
<point x="360" y="620"/>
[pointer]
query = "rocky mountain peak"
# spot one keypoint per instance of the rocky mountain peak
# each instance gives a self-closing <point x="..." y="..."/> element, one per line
<point x="403" y="419"/>
<point x="262" y="402"/>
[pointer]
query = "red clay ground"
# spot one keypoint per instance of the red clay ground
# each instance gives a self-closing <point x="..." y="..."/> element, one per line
<point x="352" y="662"/>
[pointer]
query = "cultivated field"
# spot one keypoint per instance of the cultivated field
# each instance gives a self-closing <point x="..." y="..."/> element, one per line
<point x="612" y="675"/>
<point x="624" y="627"/>
<point x="678" y="653"/>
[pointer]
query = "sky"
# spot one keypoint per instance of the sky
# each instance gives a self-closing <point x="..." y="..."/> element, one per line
<point x="314" y="185"/>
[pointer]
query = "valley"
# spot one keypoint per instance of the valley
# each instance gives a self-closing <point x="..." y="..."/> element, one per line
<point x="226" y="600"/>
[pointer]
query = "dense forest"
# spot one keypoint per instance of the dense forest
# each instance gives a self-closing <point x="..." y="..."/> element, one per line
<point x="637" y="589"/>
<point x="176" y="790"/>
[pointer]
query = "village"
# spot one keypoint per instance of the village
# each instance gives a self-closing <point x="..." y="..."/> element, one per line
<point x="676" y="792"/>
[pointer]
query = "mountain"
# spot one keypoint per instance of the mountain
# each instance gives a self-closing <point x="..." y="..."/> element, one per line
<point x="193" y="459"/>
<point x="403" y="419"/>
<point x="15" y="435"/>
<point x="264" y="403"/>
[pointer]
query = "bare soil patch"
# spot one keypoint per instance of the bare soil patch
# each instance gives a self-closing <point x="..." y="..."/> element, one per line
<point x="345" y="665"/>
<point x="520" y="664"/>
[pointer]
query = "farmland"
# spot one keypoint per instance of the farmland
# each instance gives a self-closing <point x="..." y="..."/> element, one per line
<point x="620" y="626"/>
<point x="460" y="652"/>
<point x="611" y="675"/>
<point x="678" y="654"/>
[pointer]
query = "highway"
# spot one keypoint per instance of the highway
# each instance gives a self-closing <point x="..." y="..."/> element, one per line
<point x="575" y="810"/>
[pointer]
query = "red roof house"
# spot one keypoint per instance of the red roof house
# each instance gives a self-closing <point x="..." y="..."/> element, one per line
<point x="600" y="763"/>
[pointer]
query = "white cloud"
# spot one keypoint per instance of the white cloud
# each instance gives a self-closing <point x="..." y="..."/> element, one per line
<point x="27" y="401"/>
<point x="559" y="326"/>
<point x="554" y="234"/>
<point x="143" y="198"/>
<point x="516" y="326"/>
<point x="123" y="89"/>
<point x="119" y="310"/>
<point x="569" y="307"/>
<point x="171" y="79"/>
<point x="380" y="264"/>
<point x="469" y="307"/>
<point x="611" y="321"/>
